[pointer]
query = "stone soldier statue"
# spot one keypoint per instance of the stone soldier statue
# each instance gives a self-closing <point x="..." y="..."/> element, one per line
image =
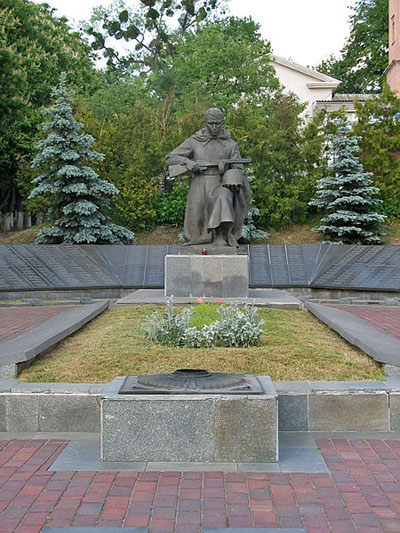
<point x="219" y="193"/>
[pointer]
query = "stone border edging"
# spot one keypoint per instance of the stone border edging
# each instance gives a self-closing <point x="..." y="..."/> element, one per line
<point x="27" y="346"/>
<point x="381" y="347"/>
<point x="302" y="406"/>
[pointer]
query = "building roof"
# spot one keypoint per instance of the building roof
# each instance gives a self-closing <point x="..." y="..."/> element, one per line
<point x="305" y="70"/>
<point x="351" y="97"/>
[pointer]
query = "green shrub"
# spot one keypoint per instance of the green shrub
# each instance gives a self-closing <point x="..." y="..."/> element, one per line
<point x="170" y="206"/>
<point x="237" y="326"/>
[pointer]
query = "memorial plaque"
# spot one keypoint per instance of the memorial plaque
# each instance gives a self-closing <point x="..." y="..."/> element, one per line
<point x="172" y="250"/>
<point x="154" y="274"/>
<point x="37" y="262"/>
<point x="296" y="256"/>
<point x="10" y="278"/>
<point x="111" y="257"/>
<point x="74" y="266"/>
<point x="361" y="267"/>
<point x="279" y="266"/>
<point x="14" y="260"/>
<point x="259" y="266"/>
<point x="328" y="255"/>
<point x="334" y="269"/>
<point x="27" y="267"/>
<point x="135" y="266"/>
<point x="312" y="254"/>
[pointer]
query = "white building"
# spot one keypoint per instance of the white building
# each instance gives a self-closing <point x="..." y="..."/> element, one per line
<point x="316" y="90"/>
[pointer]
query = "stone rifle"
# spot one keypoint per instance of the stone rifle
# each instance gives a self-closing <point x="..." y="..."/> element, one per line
<point x="179" y="170"/>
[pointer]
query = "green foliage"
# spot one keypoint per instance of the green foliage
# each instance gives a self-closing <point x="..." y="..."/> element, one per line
<point x="249" y="231"/>
<point x="276" y="143"/>
<point x="365" y="54"/>
<point x="224" y="63"/>
<point x="35" y="48"/>
<point x="79" y="196"/>
<point x="346" y="194"/>
<point x="170" y="206"/>
<point x="153" y="29"/>
<point x="169" y="328"/>
<point x="135" y="153"/>
<point x="237" y="326"/>
<point x="378" y="126"/>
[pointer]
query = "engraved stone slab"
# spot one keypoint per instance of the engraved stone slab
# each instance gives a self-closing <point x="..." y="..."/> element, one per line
<point x="360" y="267"/>
<point x="59" y="267"/>
<point x="260" y="266"/>
<point x="213" y="276"/>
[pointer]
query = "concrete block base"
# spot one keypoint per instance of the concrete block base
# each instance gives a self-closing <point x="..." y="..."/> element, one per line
<point x="191" y="428"/>
<point x="213" y="276"/>
<point x="8" y="371"/>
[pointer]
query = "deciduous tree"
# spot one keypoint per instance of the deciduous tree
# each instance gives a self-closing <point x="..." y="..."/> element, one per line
<point x="35" y="47"/>
<point x="152" y="31"/>
<point x="364" y="57"/>
<point x="378" y="125"/>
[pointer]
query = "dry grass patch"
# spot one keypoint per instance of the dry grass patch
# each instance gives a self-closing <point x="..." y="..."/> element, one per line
<point x="169" y="234"/>
<point x="294" y="347"/>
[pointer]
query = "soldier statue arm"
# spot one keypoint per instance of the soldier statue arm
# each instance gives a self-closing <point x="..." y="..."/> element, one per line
<point x="183" y="156"/>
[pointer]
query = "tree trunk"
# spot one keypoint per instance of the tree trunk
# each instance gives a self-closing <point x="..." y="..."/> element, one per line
<point x="39" y="219"/>
<point x="20" y="220"/>
<point x="7" y="222"/>
<point x="28" y="219"/>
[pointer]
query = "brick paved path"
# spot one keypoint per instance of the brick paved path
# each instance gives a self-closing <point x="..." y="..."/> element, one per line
<point x="386" y="319"/>
<point x="361" y="493"/>
<point x="15" y="321"/>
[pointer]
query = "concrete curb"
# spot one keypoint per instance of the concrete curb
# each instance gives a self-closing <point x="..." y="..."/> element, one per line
<point x="27" y="346"/>
<point x="381" y="347"/>
<point x="272" y="298"/>
<point x="302" y="406"/>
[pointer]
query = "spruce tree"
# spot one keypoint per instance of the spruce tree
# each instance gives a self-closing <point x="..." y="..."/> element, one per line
<point x="79" y="197"/>
<point x="250" y="232"/>
<point x="347" y="194"/>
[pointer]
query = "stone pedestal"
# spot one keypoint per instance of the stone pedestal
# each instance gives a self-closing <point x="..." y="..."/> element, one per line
<point x="213" y="276"/>
<point x="191" y="427"/>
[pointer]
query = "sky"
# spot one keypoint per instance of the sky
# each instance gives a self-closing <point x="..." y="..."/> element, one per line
<point x="305" y="31"/>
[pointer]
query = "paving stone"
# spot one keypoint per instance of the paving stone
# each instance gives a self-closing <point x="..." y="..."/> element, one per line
<point x="381" y="345"/>
<point x="256" y="501"/>
<point x="28" y="345"/>
<point x="94" y="529"/>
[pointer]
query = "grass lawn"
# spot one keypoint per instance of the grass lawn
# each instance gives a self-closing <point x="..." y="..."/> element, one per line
<point x="295" y="347"/>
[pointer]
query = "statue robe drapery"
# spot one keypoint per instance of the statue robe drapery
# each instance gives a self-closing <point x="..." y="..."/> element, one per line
<point x="209" y="204"/>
